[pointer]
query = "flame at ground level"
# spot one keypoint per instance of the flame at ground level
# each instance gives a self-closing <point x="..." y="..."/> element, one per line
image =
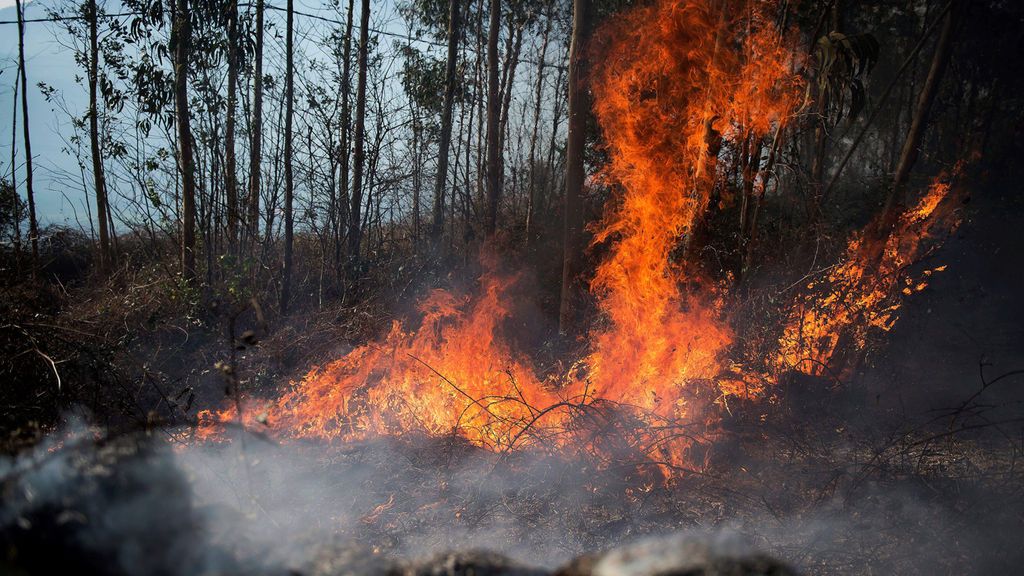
<point x="673" y="78"/>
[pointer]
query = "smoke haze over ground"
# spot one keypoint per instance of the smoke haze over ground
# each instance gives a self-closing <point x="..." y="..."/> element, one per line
<point x="136" y="505"/>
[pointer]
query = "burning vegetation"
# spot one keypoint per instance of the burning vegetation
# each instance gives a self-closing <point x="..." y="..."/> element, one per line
<point x="756" y="206"/>
<point x="677" y="86"/>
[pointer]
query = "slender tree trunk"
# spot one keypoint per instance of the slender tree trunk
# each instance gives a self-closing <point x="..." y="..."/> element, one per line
<point x="550" y="177"/>
<point x="479" y="97"/>
<point x="441" y="180"/>
<point x="578" y="110"/>
<point x="256" y="145"/>
<point x="289" y="183"/>
<point x="493" y="122"/>
<point x="355" y="223"/>
<point x="14" y="173"/>
<point x="508" y="82"/>
<point x="417" y="179"/>
<point x="346" y="140"/>
<point x="821" y="129"/>
<point x="94" y="139"/>
<point x="33" y="226"/>
<point x="532" y="157"/>
<point x="183" y="31"/>
<point x="912" y="144"/>
<point x="230" y="169"/>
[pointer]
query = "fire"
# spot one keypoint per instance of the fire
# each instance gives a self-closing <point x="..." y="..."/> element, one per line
<point x="677" y="85"/>
<point x="455" y="373"/>
<point x="671" y="78"/>
<point x="673" y="75"/>
<point x="863" y="292"/>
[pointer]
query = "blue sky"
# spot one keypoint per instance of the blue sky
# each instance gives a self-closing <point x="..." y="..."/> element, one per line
<point x="50" y="63"/>
<point x="58" y="180"/>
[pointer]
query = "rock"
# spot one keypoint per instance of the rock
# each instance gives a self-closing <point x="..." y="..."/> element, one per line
<point x="472" y="563"/>
<point x="682" y="555"/>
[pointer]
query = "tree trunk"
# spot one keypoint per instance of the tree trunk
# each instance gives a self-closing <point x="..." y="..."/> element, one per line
<point x="493" y="128"/>
<point x="417" y="176"/>
<point x="346" y="140"/>
<point x="532" y="157"/>
<point x="508" y="81"/>
<point x="551" y="182"/>
<point x="94" y="139"/>
<point x="33" y="227"/>
<point x="355" y="223"/>
<point x="230" y="174"/>
<point x="289" y="183"/>
<point x="441" y="180"/>
<point x="183" y="31"/>
<point x="911" y="146"/>
<point x="14" y="173"/>
<point x="256" y="146"/>
<point x="578" y="110"/>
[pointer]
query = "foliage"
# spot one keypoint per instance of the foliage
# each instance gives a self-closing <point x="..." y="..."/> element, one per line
<point x="843" y="62"/>
<point x="12" y="210"/>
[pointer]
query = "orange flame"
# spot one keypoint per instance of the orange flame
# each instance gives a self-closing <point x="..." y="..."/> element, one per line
<point x="863" y="293"/>
<point x="674" y="80"/>
<point x="670" y="79"/>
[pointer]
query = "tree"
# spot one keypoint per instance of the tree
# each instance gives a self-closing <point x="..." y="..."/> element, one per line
<point x="181" y="41"/>
<point x="16" y="205"/>
<point x="256" y="146"/>
<point x="99" y="183"/>
<point x="230" y="170"/>
<point x="345" y="148"/>
<point x="578" y="110"/>
<point x="493" y="127"/>
<point x="531" y="197"/>
<point x="289" y="182"/>
<point x="12" y="211"/>
<point x="437" y="222"/>
<point x="33" y="227"/>
<point x="912" y="144"/>
<point x="355" y="225"/>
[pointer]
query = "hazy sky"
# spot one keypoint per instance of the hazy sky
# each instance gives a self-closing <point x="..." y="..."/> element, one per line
<point x="57" y="177"/>
<point x="50" y="63"/>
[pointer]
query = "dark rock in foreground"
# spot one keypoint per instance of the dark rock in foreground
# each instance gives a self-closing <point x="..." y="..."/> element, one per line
<point x="676" y="555"/>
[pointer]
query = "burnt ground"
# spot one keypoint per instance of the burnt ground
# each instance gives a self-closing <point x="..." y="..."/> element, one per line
<point x="817" y="494"/>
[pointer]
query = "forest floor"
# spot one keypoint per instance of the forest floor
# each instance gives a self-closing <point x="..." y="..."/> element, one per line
<point x="815" y="477"/>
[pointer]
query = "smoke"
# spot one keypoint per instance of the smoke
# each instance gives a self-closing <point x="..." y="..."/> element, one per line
<point x="144" y="505"/>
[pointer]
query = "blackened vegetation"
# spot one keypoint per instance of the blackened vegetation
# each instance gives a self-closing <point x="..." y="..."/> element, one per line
<point x="825" y="494"/>
<point x="908" y="464"/>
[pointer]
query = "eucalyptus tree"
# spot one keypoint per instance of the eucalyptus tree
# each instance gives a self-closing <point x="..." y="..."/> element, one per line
<point x="359" y="155"/>
<point x="494" y="160"/>
<point x="33" y="225"/>
<point x="178" y="45"/>
<point x="578" y="113"/>
<point x="437" y="221"/>
<point x="82" y="36"/>
<point x="289" y="181"/>
<point x="256" y="129"/>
